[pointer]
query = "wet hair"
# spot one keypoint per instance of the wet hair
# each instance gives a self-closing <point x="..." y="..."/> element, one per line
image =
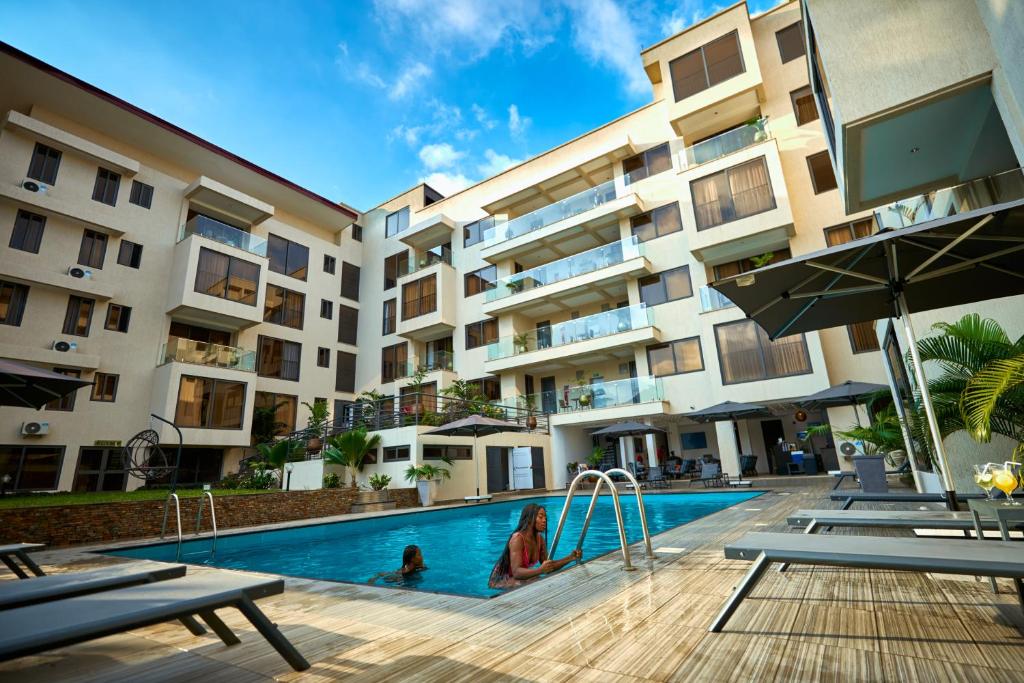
<point x="409" y="555"/>
<point x="527" y="520"/>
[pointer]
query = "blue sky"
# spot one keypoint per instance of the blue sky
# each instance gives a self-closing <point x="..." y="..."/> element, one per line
<point x="360" y="100"/>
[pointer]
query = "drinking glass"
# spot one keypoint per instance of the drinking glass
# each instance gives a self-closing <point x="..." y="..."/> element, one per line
<point x="983" y="478"/>
<point x="1005" y="480"/>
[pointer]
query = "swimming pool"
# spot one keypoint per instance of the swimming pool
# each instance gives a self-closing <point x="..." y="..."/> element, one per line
<point x="460" y="545"/>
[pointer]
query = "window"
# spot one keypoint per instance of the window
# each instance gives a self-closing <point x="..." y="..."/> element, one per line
<point x="31" y="467"/>
<point x="390" y="316"/>
<point x="93" y="250"/>
<point x="488" y="387"/>
<point x="118" y="317"/>
<point x="66" y="402"/>
<point x="288" y="258"/>
<point x="330" y="263"/>
<point x="129" y="254"/>
<point x="724" y="270"/>
<point x="822" y="177"/>
<point x="105" y="189"/>
<point x="395" y="453"/>
<point x="357" y="232"/>
<point x="284" y="307"/>
<point x="731" y="194"/>
<point x="100" y="469"/>
<point x="395" y="266"/>
<point x="706" y="66"/>
<point x="78" y="316"/>
<point x="323" y="357"/>
<point x="419" y="297"/>
<point x="437" y="452"/>
<point x="803" y="105"/>
<point x="326" y="309"/>
<point x="396" y="222"/>
<point x="747" y="355"/>
<point x="28" y="231"/>
<point x="12" y="303"/>
<point x="675" y="357"/>
<point x="481" y="280"/>
<point x="393" y="362"/>
<point x="848" y="232"/>
<point x="104" y="387"/>
<point x="200" y="334"/>
<point x="668" y="285"/>
<point x="481" y="333"/>
<point x="476" y="232"/>
<point x="350" y="281"/>
<point x="285" y="409"/>
<point x="141" y="194"/>
<point x="348" y="324"/>
<point x="345" y="372"/>
<point x="648" y="163"/>
<point x="227" y="277"/>
<point x="278" y="358"/>
<point x="791" y="42"/>
<point x="821" y="89"/>
<point x="207" y="403"/>
<point x="862" y="337"/>
<point x="44" y="164"/>
<point x="664" y="220"/>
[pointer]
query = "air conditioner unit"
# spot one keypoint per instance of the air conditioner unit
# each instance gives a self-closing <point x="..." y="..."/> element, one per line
<point x="35" y="428"/>
<point x="76" y="271"/>
<point x="64" y="346"/>
<point x="33" y="185"/>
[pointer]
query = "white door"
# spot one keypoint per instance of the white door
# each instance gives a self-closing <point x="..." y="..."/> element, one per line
<point x="522" y="468"/>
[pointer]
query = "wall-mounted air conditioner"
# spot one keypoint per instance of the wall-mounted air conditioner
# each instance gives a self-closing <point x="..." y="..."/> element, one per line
<point x="33" y="185"/>
<point x="35" y="428"/>
<point x="64" y="346"/>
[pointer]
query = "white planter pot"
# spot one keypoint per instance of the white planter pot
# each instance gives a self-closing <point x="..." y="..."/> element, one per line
<point x="426" y="490"/>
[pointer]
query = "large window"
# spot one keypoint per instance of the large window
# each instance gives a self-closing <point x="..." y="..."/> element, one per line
<point x="31" y="468"/>
<point x="396" y="222"/>
<point x="822" y="177"/>
<point x="349" y="281"/>
<point x="395" y="453"/>
<point x="473" y="233"/>
<point x="44" y="164"/>
<point x="439" y="452"/>
<point x="668" y="285"/>
<point x="706" y="66"/>
<point x="647" y="163"/>
<point x="107" y="184"/>
<point x="78" y="316"/>
<point x="488" y="387"/>
<point x="390" y="316"/>
<point x="345" y="372"/>
<point x="284" y="307"/>
<point x="481" y="280"/>
<point x="348" y="324"/>
<point x="118" y="318"/>
<point x="791" y="42"/>
<point x="93" y="249"/>
<point x="848" y="232"/>
<point x="862" y="337"/>
<point x="100" y="469"/>
<point x="28" y="231"/>
<point x="285" y="409"/>
<point x="732" y="268"/>
<point x="287" y="257"/>
<point x="747" y="355"/>
<point x="141" y="194"/>
<point x="733" y="193"/>
<point x="207" y="403"/>
<point x="104" y="387"/>
<point x="662" y="221"/>
<point x="65" y="403"/>
<point x="278" y="358"/>
<point x="481" y="333"/>
<point x="395" y="266"/>
<point x="13" y="297"/>
<point x="393" y="362"/>
<point x="419" y="297"/>
<point x="129" y="254"/>
<point x="227" y="277"/>
<point x="675" y="357"/>
<point x="803" y="105"/>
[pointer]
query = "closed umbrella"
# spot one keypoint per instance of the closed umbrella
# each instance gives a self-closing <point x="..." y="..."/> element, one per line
<point x="27" y="386"/>
<point x="849" y="393"/>
<point x="476" y="426"/>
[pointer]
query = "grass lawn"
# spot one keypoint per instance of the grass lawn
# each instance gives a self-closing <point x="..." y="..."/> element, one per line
<point x="52" y="499"/>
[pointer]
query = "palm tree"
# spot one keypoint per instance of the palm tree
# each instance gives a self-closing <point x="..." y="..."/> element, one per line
<point x="350" y="449"/>
<point x="278" y="453"/>
<point x="994" y="402"/>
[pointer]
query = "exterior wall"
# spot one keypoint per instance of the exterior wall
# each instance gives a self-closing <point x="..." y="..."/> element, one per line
<point x="1004" y="20"/>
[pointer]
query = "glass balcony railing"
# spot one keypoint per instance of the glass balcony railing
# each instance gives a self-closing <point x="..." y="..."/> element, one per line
<point x="976" y="194"/>
<point x="563" y="269"/>
<point x="429" y="258"/>
<point x="724" y="144"/>
<point x="595" y="326"/>
<point x="581" y="202"/>
<point x="439" y="360"/>
<point x="597" y="394"/>
<point x="713" y="300"/>
<point x="209" y="228"/>
<point x="178" y="349"/>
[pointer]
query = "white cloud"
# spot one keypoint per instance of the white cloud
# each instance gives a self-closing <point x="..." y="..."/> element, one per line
<point x="517" y="124"/>
<point x="447" y="183"/>
<point x="444" y="118"/>
<point x="604" y="33"/>
<point x="496" y="163"/>
<point x="482" y="117"/>
<point x="686" y="14"/>
<point x="405" y="82"/>
<point x="440" y="155"/>
<point x="408" y="80"/>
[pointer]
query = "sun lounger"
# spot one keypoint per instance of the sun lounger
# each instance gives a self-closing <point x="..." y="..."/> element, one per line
<point x="910" y="497"/>
<point x="60" y="586"/>
<point x="812" y="520"/>
<point x="710" y="474"/>
<point x="38" y="628"/>
<point x="993" y="558"/>
<point x="19" y="551"/>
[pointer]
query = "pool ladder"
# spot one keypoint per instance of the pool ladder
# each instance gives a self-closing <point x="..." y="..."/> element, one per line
<point x="199" y="520"/>
<point x="602" y="479"/>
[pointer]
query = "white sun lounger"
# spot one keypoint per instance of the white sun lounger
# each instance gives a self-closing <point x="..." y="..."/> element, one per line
<point x="60" y="586"/>
<point x="19" y="551"/>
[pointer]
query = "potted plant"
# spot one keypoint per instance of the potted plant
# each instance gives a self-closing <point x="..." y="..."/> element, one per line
<point x="595" y="457"/>
<point x="416" y="384"/>
<point x="759" y="126"/>
<point x="265" y="425"/>
<point x="514" y="286"/>
<point x="426" y="478"/>
<point x="379" y="482"/>
<point x="530" y="401"/>
<point x="521" y="342"/>
<point x="316" y="424"/>
<point x="350" y="449"/>
<point x="586" y="393"/>
<point x="572" y="468"/>
<point x="762" y="260"/>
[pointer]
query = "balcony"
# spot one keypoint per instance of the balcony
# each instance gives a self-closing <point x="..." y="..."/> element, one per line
<point x="427" y="259"/>
<point x="431" y="315"/>
<point x="179" y="350"/>
<point x="618" y="399"/>
<point x="713" y="300"/>
<point x="976" y="194"/>
<point x="590" y="272"/>
<point x="212" y="229"/>
<point x="428" y="233"/>
<point x="166" y="385"/>
<point x="575" y="342"/>
<point x="724" y="144"/>
<point x="227" y="200"/>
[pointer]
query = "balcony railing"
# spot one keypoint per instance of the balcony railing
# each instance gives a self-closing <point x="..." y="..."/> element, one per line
<point x="413" y="308"/>
<point x="597" y="394"/>
<point x="594" y="326"/>
<point x="209" y="228"/>
<point x="440" y="360"/>
<point x="724" y="144"/>
<point x="713" y="300"/>
<point x="976" y="194"/>
<point x="428" y="410"/>
<point x="427" y="259"/>
<point x="563" y="269"/>
<point x="581" y="202"/>
<point x="178" y="349"/>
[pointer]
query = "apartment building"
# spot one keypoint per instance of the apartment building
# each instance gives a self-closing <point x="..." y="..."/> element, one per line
<point x="181" y="279"/>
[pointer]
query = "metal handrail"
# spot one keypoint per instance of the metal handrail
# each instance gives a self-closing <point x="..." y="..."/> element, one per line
<point x="177" y="515"/>
<point x="640" y="506"/>
<point x="213" y="519"/>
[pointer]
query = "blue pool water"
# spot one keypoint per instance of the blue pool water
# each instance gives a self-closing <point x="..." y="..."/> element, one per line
<point x="460" y="545"/>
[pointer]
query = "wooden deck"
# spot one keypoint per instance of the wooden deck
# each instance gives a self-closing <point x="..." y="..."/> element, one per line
<point x="598" y="623"/>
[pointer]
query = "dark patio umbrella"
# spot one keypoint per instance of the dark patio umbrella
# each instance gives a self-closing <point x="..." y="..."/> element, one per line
<point x="27" y="386"/>
<point x="728" y="410"/>
<point x="950" y="261"/>
<point x="849" y="393"/>
<point x="476" y="426"/>
<point x="628" y="429"/>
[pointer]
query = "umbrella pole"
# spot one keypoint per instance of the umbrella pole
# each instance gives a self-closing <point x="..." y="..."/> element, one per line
<point x="476" y="466"/>
<point x="926" y="399"/>
<point x="856" y="414"/>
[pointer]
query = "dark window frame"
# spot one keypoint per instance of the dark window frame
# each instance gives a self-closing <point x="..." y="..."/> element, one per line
<point x="69" y="323"/>
<point x="348" y="325"/>
<point x="675" y="359"/>
<point x="232" y="261"/>
<point x="421" y="304"/>
<point x="643" y="171"/>
<point x="798" y="26"/>
<point x="851" y="227"/>
<point x="98" y="379"/>
<point x="141" y="194"/>
<point x="395" y="453"/>
<point x="477" y="276"/>
<point x="129" y="254"/>
<point x="389" y="359"/>
<point x="351" y="276"/>
<point x="831" y="172"/>
<point x="853" y="343"/>
<point x="704" y="62"/>
<point x="481" y="326"/>
<point x="759" y="332"/>
<point x="357" y="232"/>
<point x="27" y="234"/>
<point x="390" y="322"/>
<point x="401" y="216"/>
<point x="103" y="471"/>
<point x="261" y="342"/>
<point x="393" y="268"/>
<point x="345" y="362"/>
<point x="301" y="254"/>
<point x="461" y="452"/>
<point x="330" y="264"/>
<point x="215" y="383"/>
<point x="653" y="218"/>
<point x="664" y="287"/>
<point x="106" y="187"/>
<point x="323" y="357"/>
<point x="44" y="164"/>
<point x="473" y="233"/>
<point x="124" y="318"/>
<point x="800" y="93"/>
<point x="59" y="451"/>
<point x="736" y="217"/>
<point x="280" y="316"/>
<point x="326" y="309"/>
<point x="92" y="252"/>
<point x="17" y="302"/>
<point x="278" y="400"/>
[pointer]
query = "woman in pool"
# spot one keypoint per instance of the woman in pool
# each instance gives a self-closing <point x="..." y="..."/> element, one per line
<point x="412" y="565"/>
<point x="525" y="555"/>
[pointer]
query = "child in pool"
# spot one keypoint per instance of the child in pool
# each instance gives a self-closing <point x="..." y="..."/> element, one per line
<point x="412" y="565"/>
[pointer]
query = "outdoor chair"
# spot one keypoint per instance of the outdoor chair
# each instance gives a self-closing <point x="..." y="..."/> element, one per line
<point x="674" y="471"/>
<point x="748" y="464"/>
<point x="851" y="497"/>
<point x="19" y="551"/>
<point x="655" y="478"/>
<point x="710" y="475"/>
<point x="689" y="466"/>
<point x="59" y="586"/>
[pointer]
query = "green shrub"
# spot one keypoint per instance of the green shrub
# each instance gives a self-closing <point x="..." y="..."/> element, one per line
<point x="379" y="482"/>
<point x="332" y="481"/>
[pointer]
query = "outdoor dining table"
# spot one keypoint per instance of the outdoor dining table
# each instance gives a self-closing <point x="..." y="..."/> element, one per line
<point x="994" y="509"/>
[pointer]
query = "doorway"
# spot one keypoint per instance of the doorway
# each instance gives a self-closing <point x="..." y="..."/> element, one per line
<point x="497" y="469"/>
<point x="772" y="431"/>
<point x="548" y="398"/>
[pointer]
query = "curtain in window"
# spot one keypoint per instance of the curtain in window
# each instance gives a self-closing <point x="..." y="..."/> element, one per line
<point x="212" y="272"/>
<point x="739" y="352"/>
<point x="293" y="305"/>
<point x="805" y="109"/>
<point x="243" y="281"/>
<point x="290" y="360"/>
<point x="707" y="201"/>
<point x="226" y="402"/>
<point x="189" y="412"/>
<point x="784" y="356"/>
<point x="750" y="187"/>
